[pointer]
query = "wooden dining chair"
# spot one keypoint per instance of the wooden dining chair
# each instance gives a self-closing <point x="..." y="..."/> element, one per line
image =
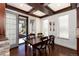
<point x="51" y="40"/>
<point x="31" y="36"/>
<point x="42" y="45"/>
<point x="39" y="35"/>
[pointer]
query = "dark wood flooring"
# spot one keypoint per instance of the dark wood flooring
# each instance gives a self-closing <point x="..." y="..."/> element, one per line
<point x="23" y="50"/>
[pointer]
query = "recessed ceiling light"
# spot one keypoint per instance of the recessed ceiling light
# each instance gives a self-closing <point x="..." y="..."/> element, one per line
<point x="21" y="6"/>
<point x="58" y="6"/>
<point x="39" y="13"/>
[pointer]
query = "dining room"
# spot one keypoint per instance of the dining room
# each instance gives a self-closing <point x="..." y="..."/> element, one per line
<point x="42" y="29"/>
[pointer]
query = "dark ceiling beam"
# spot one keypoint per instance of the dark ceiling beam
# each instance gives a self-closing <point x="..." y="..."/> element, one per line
<point x="33" y="10"/>
<point x="44" y="8"/>
<point x="19" y="10"/>
<point x="50" y="10"/>
<point x="39" y="6"/>
<point x="57" y="12"/>
<point x="73" y="6"/>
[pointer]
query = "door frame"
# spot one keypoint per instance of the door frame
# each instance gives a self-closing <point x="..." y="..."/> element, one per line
<point x="26" y="25"/>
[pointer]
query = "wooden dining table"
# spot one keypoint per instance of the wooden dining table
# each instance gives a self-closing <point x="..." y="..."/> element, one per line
<point x="35" y="41"/>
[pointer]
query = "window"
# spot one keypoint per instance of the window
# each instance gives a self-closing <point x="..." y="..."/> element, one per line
<point x="45" y="27"/>
<point x="32" y="26"/>
<point x="64" y="26"/>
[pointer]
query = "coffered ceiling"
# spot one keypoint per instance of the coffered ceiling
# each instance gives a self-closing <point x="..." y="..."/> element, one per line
<point x="41" y="9"/>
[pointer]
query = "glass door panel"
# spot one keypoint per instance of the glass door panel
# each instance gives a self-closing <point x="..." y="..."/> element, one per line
<point x="23" y="27"/>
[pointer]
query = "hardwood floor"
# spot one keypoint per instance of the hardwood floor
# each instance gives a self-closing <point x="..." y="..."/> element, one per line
<point x="23" y="50"/>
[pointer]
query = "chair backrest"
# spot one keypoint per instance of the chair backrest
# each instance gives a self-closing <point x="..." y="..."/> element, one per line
<point x="51" y="37"/>
<point x="43" y="38"/>
<point x="31" y="36"/>
<point x="43" y="44"/>
<point x="39" y="35"/>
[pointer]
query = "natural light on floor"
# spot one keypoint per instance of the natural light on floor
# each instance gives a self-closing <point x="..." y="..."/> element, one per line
<point x="21" y="40"/>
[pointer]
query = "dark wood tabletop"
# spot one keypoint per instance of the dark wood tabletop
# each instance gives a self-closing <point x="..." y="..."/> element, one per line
<point x="35" y="41"/>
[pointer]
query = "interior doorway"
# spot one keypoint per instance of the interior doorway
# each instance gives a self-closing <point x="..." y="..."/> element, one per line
<point x="23" y="28"/>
